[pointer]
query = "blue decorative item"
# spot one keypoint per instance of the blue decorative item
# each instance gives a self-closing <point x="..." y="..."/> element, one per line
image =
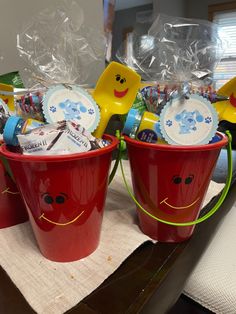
<point x="188" y="120"/>
<point x="72" y="110"/>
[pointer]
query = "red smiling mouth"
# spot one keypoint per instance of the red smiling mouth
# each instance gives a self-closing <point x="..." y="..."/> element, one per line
<point x="232" y="100"/>
<point x="59" y="223"/>
<point x="120" y="94"/>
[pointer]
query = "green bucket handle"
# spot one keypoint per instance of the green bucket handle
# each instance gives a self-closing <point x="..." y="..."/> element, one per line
<point x="184" y="224"/>
<point x="121" y="149"/>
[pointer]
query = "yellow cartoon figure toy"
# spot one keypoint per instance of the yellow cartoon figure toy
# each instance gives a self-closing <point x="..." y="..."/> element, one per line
<point x="115" y="92"/>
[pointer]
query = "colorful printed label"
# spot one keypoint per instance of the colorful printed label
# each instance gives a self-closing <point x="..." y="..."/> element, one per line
<point x="149" y="129"/>
<point x="148" y="136"/>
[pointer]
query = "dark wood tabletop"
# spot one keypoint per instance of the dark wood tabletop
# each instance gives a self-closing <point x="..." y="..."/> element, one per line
<point x="151" y="279"/>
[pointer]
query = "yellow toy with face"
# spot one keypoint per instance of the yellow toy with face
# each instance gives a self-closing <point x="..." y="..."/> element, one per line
<point x="226" y="109"/>
<point x="115" y="92"/>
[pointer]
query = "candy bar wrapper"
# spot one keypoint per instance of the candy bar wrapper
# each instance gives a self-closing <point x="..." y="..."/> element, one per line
<point x="60" y="138"/>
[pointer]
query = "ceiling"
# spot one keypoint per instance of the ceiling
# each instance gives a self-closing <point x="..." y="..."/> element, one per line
<point x="126" y="4"/>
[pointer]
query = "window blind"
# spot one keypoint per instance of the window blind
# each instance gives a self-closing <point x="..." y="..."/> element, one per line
<point x="226" y="69"/>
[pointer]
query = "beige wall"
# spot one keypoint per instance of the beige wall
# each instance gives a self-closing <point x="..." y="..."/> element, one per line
<point x="14" y="14"/>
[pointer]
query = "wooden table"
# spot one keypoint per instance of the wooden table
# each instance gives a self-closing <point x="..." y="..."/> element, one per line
<point x="151" y="279"/>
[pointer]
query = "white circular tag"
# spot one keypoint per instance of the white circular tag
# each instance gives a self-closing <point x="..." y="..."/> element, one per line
<point x="190" y="121"/>
<point x="71" y="103"/>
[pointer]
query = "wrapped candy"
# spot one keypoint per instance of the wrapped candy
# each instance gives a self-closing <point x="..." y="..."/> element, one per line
<point x="179" y="56"/>
<point x="175" y="51"/>
<point x="60" y="54"/>
<point x="58" y="47"/>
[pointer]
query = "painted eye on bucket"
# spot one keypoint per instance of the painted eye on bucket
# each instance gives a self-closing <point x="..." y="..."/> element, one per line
<point x="60" y="199"/>
<point x="189" y="179"/>
<point x="177" y="180"/>
<point x="47" y="198"/>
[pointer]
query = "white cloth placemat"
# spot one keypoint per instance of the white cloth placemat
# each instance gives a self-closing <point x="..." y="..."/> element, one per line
<point x="51" y="287"/>
<point x="213" y="281"/>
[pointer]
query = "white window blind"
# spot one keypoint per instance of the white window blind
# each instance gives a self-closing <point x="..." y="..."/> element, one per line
<point x="226" y="69"/>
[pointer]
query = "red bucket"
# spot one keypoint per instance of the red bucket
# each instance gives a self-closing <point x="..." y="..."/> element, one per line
<point x="12" y="208"/>
<point x="170" y="182"/>
<point x="64" y="196"/>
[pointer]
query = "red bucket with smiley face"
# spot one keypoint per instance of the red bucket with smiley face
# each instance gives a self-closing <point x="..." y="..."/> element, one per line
<point x="170" y="183"/>
<point x="12" y="209"/>
<point x="64" y="196"/>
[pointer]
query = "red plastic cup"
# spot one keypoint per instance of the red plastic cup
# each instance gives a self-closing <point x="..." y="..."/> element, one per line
<point x="170" y="182"/>
<point x="64" y="196"/>
<point x="12" y="208"/>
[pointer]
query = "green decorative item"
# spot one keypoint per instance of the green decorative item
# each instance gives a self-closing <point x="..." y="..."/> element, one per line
<point x="12" y="78"/>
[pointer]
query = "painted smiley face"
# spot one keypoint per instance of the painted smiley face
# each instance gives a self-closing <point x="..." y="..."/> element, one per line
<point x="181" y="184"/>
<point x="12" y="209"/>
<point x="232" y="100"/>
<point x="122" y="92"/>
<point x="117" y="86"/>
<point x="10" y="186"/>
<point x="52" y="202"/>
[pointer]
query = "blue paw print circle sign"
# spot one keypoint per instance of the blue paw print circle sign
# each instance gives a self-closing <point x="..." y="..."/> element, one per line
<point x="71" y="103"/>
<point x="192" y="121"/>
